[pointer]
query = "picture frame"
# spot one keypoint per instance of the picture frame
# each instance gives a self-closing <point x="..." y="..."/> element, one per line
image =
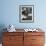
<point x="26" y="13"/>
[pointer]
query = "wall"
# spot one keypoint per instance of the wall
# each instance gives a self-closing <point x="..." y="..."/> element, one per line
<point x="10" y="13"/>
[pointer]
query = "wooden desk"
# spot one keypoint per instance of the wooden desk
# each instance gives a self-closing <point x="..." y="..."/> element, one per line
<point x="22" y="38"/>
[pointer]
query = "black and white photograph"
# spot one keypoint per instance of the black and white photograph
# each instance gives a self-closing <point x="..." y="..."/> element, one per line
<point x="26" y="13"/>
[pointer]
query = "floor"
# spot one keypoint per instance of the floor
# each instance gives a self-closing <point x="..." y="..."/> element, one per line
<point x="0" y="44"/>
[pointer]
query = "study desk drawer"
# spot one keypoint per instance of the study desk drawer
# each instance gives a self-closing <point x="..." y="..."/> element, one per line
<point x="34" y="33"/>
<point x="13" y="33"/>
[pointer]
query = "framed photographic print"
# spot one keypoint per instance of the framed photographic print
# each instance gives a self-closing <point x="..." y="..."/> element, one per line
<point x="26" y="13"/>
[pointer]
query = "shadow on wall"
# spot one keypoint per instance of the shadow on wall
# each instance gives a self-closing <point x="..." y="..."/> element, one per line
<point x="2" y="26"/>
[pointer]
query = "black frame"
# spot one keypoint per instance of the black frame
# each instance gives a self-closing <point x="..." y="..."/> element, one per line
<point x="26" y="13"/>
